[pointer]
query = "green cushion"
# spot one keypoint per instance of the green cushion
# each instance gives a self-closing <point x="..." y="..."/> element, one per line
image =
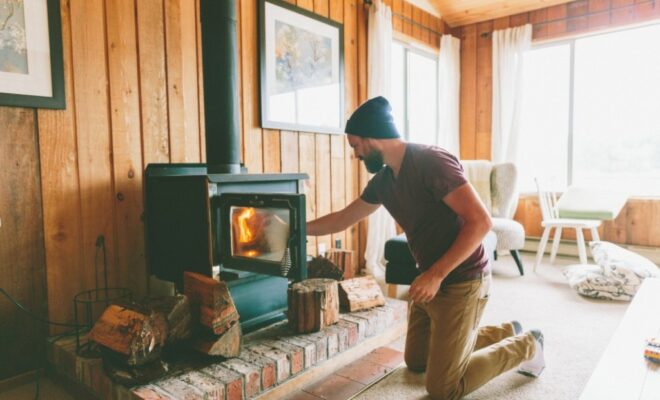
<point x="590" y="203"/>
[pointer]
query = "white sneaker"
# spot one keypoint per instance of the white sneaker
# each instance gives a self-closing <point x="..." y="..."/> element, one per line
<point x="517" y="328"/>
<point x="534" y="366"/>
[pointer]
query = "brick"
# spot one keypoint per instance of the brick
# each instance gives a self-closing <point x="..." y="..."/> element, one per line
<point x="251" y="375"/>
<point x="361" y="324"/>
<point x="352" y="330"/>
<point x="280" y="357"/>
<point x="321" y="342"/>
<point x="296" y="354"/>
<point x="342" y="336"/>
<point x="373" y="318"/>
<point x="333" y="342"/>
<point x="309" y="349"/>
<point x="150" y="392"/>
<point x="233" y="381"/>
<point x="387" y="314"/>
<point x="268" y="369"/>
<point x="179" y="389"/>
<point x="210" y="387"/>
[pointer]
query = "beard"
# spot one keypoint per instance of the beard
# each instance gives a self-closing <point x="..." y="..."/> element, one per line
<point x="374" y="161"/>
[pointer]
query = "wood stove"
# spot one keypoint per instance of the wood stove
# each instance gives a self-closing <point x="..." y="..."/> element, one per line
<point x="189" y="207"/>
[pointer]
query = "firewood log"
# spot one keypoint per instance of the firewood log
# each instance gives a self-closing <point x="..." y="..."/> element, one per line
<point x="176" y="310"/>
<point x="313" y="305"/>
<point x="211" y="302"/>
<point x="136" y="334"/>
<point x="360" y="293"/>
<point x="227" y="345"/>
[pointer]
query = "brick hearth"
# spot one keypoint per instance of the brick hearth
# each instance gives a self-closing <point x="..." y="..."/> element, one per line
<point x="274" y="361"/>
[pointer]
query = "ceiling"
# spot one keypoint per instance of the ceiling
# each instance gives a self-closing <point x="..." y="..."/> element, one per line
<point x="463" y="12"/>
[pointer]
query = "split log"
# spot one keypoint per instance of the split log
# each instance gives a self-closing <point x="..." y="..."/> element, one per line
<point x="227" y="345"/>
<point x="210" y="302"/>
<point x="360" y="293"/>
<point x="176" y="310"/>
<point x="321" y="267"/>
<point x="313" y="305"/>
<point x="136" y="334"/>
<point x="343" y="259"/>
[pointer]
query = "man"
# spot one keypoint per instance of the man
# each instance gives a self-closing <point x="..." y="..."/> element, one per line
<point x="425" y="190"/>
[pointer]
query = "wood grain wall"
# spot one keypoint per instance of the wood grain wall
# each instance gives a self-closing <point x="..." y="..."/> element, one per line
<point x="638" y="223"/>
<point x="133" y="79"/>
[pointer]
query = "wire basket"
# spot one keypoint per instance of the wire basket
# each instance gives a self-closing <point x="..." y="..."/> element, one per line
<point x="88" y="306"/>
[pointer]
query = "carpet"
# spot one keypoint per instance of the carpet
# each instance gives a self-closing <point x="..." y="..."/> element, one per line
<point x="576" y="329"/>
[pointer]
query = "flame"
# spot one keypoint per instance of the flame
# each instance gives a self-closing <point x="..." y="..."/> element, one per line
<point x="245" y="233"/>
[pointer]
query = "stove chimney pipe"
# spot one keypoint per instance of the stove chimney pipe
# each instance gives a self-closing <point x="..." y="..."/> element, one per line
<point x="221" y="86"/>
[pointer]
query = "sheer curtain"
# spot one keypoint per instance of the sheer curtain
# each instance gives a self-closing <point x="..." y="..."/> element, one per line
<point x="449" y="92"/>
<point x="508" y="48"/>
<point x="381" y="226"/>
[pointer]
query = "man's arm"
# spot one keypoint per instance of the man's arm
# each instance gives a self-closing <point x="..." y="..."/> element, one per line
<point x="340" y="220"/>
<point x="466" y="204"/>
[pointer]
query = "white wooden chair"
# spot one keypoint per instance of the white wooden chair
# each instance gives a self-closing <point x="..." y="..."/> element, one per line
<point x="550" y="213"/>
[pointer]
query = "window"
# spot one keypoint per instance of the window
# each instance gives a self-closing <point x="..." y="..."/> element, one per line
<point x="591" y="113"/>
<point x="415" y="93"/>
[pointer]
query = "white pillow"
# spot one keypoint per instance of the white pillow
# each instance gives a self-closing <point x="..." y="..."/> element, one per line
<point x="589" y="280"/>
<point x="617" y="260"/>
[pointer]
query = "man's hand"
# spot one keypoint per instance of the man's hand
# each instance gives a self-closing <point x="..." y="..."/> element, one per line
<point x="425" y="287"/>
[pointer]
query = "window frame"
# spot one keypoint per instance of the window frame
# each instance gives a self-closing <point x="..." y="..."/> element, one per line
<point x="425" y="51"/>
<point x="571" y="41"/>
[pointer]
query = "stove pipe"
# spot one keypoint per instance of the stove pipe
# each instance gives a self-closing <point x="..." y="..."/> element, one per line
<point x="221" y="86"/>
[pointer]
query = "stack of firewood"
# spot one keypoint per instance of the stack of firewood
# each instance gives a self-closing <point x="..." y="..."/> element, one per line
<point x="214" y="309"/>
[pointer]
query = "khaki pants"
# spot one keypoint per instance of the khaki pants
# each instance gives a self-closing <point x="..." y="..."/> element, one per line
<point x="445" y="341"/>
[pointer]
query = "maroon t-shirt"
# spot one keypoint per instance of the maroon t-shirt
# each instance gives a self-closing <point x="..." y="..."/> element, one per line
<point x="415" y="199"/>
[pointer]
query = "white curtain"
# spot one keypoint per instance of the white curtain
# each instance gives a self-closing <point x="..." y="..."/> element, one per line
<point x="508" y="48"/>
<point x="381" y="226"/>
<point x="449" y="93"/>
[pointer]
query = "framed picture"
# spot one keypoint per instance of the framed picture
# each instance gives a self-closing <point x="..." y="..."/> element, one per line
<point x="302" y="69"/>
<point x="31" y="72"/>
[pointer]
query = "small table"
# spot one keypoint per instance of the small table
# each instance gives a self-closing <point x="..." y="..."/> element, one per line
<point x="622" y="372"/>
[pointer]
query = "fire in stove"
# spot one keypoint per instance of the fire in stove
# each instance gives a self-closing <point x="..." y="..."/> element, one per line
<point x="261" y="233"/>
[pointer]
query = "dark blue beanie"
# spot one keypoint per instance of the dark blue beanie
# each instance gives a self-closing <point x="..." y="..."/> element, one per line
<point x="373" y="119"/>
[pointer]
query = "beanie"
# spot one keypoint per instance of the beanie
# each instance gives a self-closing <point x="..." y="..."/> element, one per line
<point x="373" y="119"/>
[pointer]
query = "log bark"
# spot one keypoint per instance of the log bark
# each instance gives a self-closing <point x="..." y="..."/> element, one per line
<point x="360" y="293"/>
<point x="313" y="305"/>
<point x="136" y="334"/>
<point x="211" y="302"/>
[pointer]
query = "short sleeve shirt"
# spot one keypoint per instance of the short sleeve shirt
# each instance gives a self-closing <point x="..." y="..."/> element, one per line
<point x="414" y="198"/>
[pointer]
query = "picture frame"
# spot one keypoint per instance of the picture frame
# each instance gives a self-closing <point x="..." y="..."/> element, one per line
<point x="301" y="61"/>
<point x="31" y="66"/>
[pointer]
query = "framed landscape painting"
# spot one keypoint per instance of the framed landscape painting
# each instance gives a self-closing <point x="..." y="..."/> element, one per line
<point x="31" y="73"/>
<point x="302" y="69"/>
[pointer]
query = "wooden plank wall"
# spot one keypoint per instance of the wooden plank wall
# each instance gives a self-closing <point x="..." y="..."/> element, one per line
<point x="22" y="263"/>
<point x="134" y="96"/>
<point x="638" y="223"/>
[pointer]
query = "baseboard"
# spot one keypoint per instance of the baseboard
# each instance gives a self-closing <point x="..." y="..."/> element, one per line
<point x="569" y="248"/>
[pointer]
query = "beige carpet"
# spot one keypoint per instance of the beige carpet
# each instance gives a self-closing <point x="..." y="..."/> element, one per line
<point x="576" y="330"/>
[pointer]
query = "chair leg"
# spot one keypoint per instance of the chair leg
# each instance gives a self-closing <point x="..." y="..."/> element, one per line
<point x="582" y="251"/>
<point x="544" y="241"/>
<point x="555" y="244"/>
<point x="494" y="255"/>
<point x="516" y="257"/>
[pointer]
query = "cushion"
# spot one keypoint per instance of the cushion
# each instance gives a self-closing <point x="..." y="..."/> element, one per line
<point x="590" y="203"/>
<point x="477" y="173"/>
<point x="510" y="234"/>
<point x="617" y="276"/>
<point x="589" y="280"/>
<point x="616" y="259"/>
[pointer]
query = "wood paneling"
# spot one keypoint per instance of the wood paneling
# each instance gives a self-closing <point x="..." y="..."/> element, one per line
<point x="22" y="266"/>
<point x="634" y="225"/>
<point x="458" y="13"/>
